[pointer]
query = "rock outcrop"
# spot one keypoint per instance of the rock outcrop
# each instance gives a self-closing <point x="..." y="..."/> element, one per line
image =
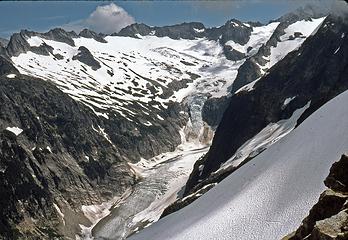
<point x="18" y="43"/>
<point x="90" y="34"/>
<point x="85" y="56"/>
<point x="328" y="219"/>
<point x="3" y="42"/>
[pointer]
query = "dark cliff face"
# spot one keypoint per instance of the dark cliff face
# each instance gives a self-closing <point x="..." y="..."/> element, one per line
<point x="3" y="42"/>
<point x="61" y="157"/>
<point x="317" y="72"/>
<point x="6" y="67"/>
<point x="185" y="30"/>
<point x="18" y="43"/>
<point x="328" y="219"/>
<point x="90" y="34"/>
<point x="85" y="56"/>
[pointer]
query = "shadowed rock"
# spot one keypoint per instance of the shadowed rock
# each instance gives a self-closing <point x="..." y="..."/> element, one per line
<point x="85" y="56"/>
<point x="328" y="219"/>
<point x="86" y="33"/>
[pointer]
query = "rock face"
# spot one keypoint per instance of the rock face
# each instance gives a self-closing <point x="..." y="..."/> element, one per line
<point x="85" y="56"/>
<point x="18" y="43"/>
<point x="6" y="68"/>
<point x="3" y="42"/>
<point x="213" y="110"/>
<point x="52" y="160"/>
<point x="185" y="30"/>
<point x="134" y="29"/>
<point x="90" y="34"/>
<point x="315" y="73"/>
<point x="328" y="219"/>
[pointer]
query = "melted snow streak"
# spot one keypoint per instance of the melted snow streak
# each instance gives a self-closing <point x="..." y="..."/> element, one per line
<point x="269" y="196"/>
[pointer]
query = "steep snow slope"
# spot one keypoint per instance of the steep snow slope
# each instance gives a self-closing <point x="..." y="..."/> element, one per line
<point x="268" y="196"/>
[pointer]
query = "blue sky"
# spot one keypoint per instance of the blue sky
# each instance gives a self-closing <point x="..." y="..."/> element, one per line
<point x="44" y="15"/>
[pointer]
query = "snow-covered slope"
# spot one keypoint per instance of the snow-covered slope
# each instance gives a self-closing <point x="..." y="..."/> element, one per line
<point x="269" y="196"/>
<point x="143" y="73"/>
<point x="135" y="77"/>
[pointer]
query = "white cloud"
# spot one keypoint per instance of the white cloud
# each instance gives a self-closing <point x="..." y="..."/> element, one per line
<point x="105" y="19"/>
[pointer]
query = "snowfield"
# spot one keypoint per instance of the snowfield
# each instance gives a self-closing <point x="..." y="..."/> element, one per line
<point x="268" y="197"/>
<point x="138" y="76"/>
<point x="133" y="71"/>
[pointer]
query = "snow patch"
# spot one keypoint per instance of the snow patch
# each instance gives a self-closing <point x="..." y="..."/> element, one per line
<point x="102" y="132"/>
<point x="336" y="51"/>
<point x="15" y="130"/>
<point x="286" y="45"/>
<point x="59" y="212"/>
<point x="35" y="41"/>
<point x="12" y="75"/>
<point x="288" y="100"/>
<point x="199" y="30"/>
<point x="49" y="149"/>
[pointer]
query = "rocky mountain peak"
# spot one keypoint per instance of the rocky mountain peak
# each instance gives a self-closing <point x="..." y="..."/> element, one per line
<point x="134" y="29"/>
<point x="303" y="13"/>
<point x="185" y="30"/>
<point x="60" y="35"/>
<point x="17" y="44"/>
<point x="90" y="34"/>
